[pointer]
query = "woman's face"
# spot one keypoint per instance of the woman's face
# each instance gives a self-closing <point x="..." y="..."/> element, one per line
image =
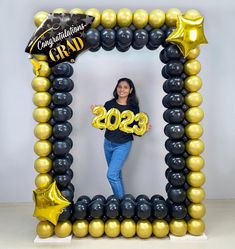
<point x="123" y="89"/>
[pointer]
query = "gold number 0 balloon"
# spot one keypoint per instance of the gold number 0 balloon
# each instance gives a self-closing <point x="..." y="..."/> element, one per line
<point x="128" y="117"/>
<point x="142" y="120"/>
<point x="113" y="112"/>
<point x="100" y="113"/>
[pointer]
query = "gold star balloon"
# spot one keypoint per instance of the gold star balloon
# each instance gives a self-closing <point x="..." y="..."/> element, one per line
<point x="49" y="203"/>
<point x="188" y="34"/>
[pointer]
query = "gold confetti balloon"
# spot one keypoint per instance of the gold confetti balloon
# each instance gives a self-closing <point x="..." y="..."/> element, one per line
<point x="196" y="211"/>
<point x="59" y="10"/>
<point x="96" y="14"/>
<point x="40" y="17"/>
<point x="42" y="148"/>
<point x="96" y="228"/>
<point x="44" y="70"/>
<point x="196" y="227"/>
<point x="193" y="83"/>
<point x="45" y="229"/>
<point x="112" y="228"/>
<point x="194" y="147"/>
<point x="192" y="67"/>
<point x="128" y="228"/>
<point x="178" y="227"/>
<point x="196" y="195"/>
<point x="144" y="229"/>
<point x="171" y="16"/>
<point x="196" y="179"/>
<point x="41" y="84"/>
<point x="43" y="131"/>
<point x="43" y="181"/>
<point x="42" y="99"/>
<point x="193" y="53"/>
<point x="194" y="114"/>
<point x="42" y="114"/>
<point x="140" y="18"/>
<point x="124" y="17"/>
<point x="160" y="228"/>
<point x="43" y="164"/>
<point x="156" y="18"/>
<point x="80" y="228"/>
<point x="63" y="229"/>
<point x="192" y="14"/>
<point x="193" y="99"/>
<point x="193" y="130"/>
<point x="108" y="18"/>
<point x="76" y="11"/>
<point x="195" y="163"/>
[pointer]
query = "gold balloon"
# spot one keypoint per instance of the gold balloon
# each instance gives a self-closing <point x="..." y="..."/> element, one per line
<point x="112" y="228"/>
<point x="76" y="11"/>
<point x="96" y="228"/>
<point x="196" y="227"/>
<point x="193" y="83"/>
<point x="195" y="163"/>
<point x="42" y="148"/>
<point x="45" y="229"/>
<point x="127" y="118"/>
<point x="124" y="17"/>
<point x="178" y="227"/>
<point x="43" y="165"/>
<point x="188" y="34"/>
<point x="171" y="16"/>
<point x="49" y="203"/>
<point x="144" y="229"/>
<point x="196" y="211"/>
<point x="100" y="113"/>
<point x="140" y="18"/>
<point x="192" y="14"/>
<point x="193" y="99"/>
<point x="156" y="18"/>
<point x="196" y="179"/>
<point x="63" y="229"/>
<point x="96" y="14"/>
<point x="40" y="17"/>
<point x="60" y="10"/>
<point x="42" y="114"/>
<point x="194" y="147"/>
<point x="142" y="120"/>
<point x="44" y="70"/>
<point x="43" y="181"/>
<point x="43" y="131"/>
<point x="40" y="57"/>
<point x="108" y="18"/>
<point x="128" y="228"/>
<point x="196" y="195"/>
<point x="193" y="54"/>
<point x="41" y="84"/>
<point x="113" y="112"/>
<point x="80" y="228"/>
<point x="192" y="67"/>
<point x="193" y="131"/>
<point x="42" y="99"/>
<point x="194" y="114"/>
<point x="160" y="228"/>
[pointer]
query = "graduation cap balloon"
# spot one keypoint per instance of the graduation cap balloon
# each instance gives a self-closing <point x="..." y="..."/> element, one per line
<point x="61" y="37"/>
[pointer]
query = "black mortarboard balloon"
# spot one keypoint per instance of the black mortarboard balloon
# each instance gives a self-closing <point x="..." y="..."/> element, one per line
<point x="61" y="37"/>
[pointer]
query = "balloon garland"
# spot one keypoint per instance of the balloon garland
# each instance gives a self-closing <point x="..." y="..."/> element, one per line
<point x="183" y="209"/>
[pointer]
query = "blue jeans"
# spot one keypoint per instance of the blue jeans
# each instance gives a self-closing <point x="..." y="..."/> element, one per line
<point x="116" y="155"/>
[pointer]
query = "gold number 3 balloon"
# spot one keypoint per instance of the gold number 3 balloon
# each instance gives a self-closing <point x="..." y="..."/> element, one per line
<point x="142" y="120"/>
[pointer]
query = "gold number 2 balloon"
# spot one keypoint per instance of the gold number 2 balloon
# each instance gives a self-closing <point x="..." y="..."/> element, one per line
<point x="100" y="113"/>
<point x="113" y="112"/>
<point x="128" y="118"/>
<point x="142" y="120"/>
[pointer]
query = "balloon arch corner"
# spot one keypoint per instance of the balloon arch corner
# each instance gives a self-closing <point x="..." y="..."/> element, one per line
<point x="179" y="34"/>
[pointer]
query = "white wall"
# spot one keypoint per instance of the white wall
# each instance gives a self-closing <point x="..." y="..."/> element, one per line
<point x="144" y="171"/>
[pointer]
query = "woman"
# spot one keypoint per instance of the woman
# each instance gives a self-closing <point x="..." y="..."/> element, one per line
<point x="117" y="144"/>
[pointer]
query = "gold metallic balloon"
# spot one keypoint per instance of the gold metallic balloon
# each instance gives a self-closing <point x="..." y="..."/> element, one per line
<point x="60" y="10"/>
<point x="196" y="195"/>
<point x="192" y="14"/>
<point x="76" y="11"/>
<point x="192" y="67"/>
<point x="193" y="99"/>
<point x="43" y="131"/>
<point x="43" y="181"/>
<point x="42" y="99"/>
<point x="124" y="17"/>
<point x="194" y="114"/>
<point x="96" y="14"/>
<point x="156" y="18"/>
<point x="40" y="17"/>
<point x="196" y="227"/>
<point x="193" y="53"/>
<point x="41" y="84"/>
<point x="196" y="211"/>
<point x="195" y="163"/>
<point x="43" y="165"/>
<point x="63" y="229"/>
<point x="178" y="227"/>
<point x="193" y="83"/>
<point x="127" y="118"/>
<point x="112" y="228"/>
<point x="196" y="179"/>
<point x="96" y="228"/>
<point x="80" y="228"/>
<point x="42" y="148"/>
<point x="142" y="120"/>
<point x="113" y="112"/>
<point x="160" y="228"/>
<point x="42" y="114"/>
<point x="40" y="57"/>
<point x="193" y="131"/>
<point x="144" y="229"/>
<point x="140" y="18"/>
<point x="128" y="228"/>
<point x="108" y="18"/>
<point x="171" y="16"/>
<point x="194" y="147"/>
<point x="45" y="229"/>
<point x="98" y="120"/>
<point x="49" y="203"/>
<point x="44" y="70"/>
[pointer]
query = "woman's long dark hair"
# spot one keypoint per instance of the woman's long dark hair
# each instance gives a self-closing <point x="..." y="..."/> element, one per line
<point x="132" y="99"/>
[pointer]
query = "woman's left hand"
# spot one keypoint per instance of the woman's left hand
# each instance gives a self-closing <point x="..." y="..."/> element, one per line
<point x="149" y="127"/>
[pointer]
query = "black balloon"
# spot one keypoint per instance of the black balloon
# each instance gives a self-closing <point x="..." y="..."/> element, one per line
<point x="174" y="116"/>
<point x="52" y="139"/>
<point x="127" y="208"/>
<point x="156" y="37"/>
<point x="84" y="198"/>
<point x="93" y="37"/>
<point x="71" y="187"/>
<point x="165" y="74"/>
<point x="184" y="92"/>
<point x="96" y="209"/>
<point x="142" y="198"/>
<point x="69" y="157"/>
<point x="184" y="107"/>
<point x="167" y="172"/>
<point x="163" y="56"/>
<point x="61" y="165"/>
<point x="174" y="131"/>
<point x="122" y="48"/>
<point x="174" y="84"/>
<point x="113" y="198"/>
<point x="155" y="198"/>
<point x="160" y="209"/>
<point x="151" y="47"/>
<point x="176" y="147"/>
<point x="63" y="84"/>
<point x="176" y="179"/>
<point x="174" y="68"/>
<point x="108" y="48"/>
<point x="70" y="173"/>
<point x="169" y="31"/>
<point x="173" y="100"/>
<point x="140" y="38"/>
<point x="178" y="211"/>
<point x="99" y="198"/>
<point x="168" y="186"/>
<point x="143" y="209"/>
<point x="68" y="194"/>
<point x="185" y="122"/>
<point x="62" y="130"/>
<point x="62" y="180"/>
<point x="51" y="90"/>
<point x="132" y="27"/>
<point x="52" y="106"/>
<point x="63" y="70"/>
<point x="112" y="209"/>
<point x="52" y="122"/>
<point x="176" y="162"/>
<point x="108" y="38"/>
<point x="95" y="49"/>
<point x="80" y="210"/>
<point x="124" y="36"/>
<point x="62" y="98"/>
<point x="148" y="28"/>
<point x="164" y="27"/>
<point x="172" y="52"/>
<point x="62" y="114"/>
<point x="67" y="212"/>
<point x="69" y="141"/>
<point x="61" y="148"/>
<point x="129" y="197"/>
<point x="176" y="195"/>
<point x="100" y="28"/>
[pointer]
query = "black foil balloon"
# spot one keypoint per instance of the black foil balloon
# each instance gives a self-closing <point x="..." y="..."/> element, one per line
<point x="174" y="131"/>
<point x="174" y="116"/>
<point x="67" y="212"/>
<point x="124" y="36"/>
<point x="112" y="209"/>
<point x="155" y="198"/>
<point x="63" y="84"/>
<point x="61" y="165"/>
<point x="62" y="130"/>
<point x="143" y="209"/>
<point x="93" y="37"/>
<point x="67" y="193"/>
<point x="80" y="210"/>
<point x="176" y="162"/>
<point x="172" y="52"/>
<point x="127" y="208"/>
<point x="142" y="197"/>
<point x="174" y="84"/>
<point x="176" y="147"/>
<point x="173" y="100"/>
<point x="160" y="209"/>
<point x="129" y="197"/>
<point x="174" y="68"/>
<point x="140" y="38"/>
<point x="108" y="38"/>
<point x="96" y="209"/>
<point x="62" y="98"/>
<point x="163" y="56"/>
<point x="99" y="198"/>
<point x="62" y="180"/>
<point x="61" y="148"/>
<point x="63" y="69"/>
<point x="176" y="179"/>
<point x="178" y="211"/>
<point x="156" y="37"/>
<point x="62" y="114"/>
<point x="84" y="198"/>
<point x="176" y="195"/>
